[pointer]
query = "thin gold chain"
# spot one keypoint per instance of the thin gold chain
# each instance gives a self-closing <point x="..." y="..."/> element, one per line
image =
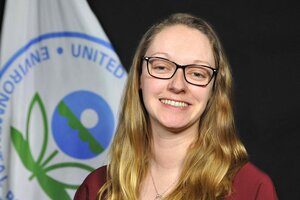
<point x="158" y="195"/>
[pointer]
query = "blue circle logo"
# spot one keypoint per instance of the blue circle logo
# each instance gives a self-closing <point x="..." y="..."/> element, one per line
<point x="83" y="124"/>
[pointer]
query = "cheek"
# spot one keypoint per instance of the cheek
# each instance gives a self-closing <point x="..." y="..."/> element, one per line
<point x="145" y="88"/>
<point x="147" y="93"/>
<point x="143" y="78"/>
<point x="203" y="95"/>
<point x="148" y="87"/>
<point x="148" y="84"/>
<point x="208" y="91"/>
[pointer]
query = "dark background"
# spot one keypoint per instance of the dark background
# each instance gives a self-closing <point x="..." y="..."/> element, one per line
<point x="261" y="40"/>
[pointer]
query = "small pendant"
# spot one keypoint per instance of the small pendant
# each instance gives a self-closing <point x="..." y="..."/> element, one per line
<point x="158" y="196"/>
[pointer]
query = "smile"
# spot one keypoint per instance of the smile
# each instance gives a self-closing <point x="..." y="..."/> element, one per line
<point x="174" y="103"/>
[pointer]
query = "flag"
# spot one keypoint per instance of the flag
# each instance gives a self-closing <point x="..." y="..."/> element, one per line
<point x="61" y="82"/>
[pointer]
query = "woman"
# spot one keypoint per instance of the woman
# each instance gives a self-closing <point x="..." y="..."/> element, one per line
<point x="176" y="136"/>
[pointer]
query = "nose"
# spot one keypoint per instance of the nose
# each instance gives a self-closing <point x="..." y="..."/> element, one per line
<point x="177" y="83"/>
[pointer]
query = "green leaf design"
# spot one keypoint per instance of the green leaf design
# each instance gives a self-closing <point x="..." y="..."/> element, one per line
<point x="69" y="165"/>
<point x="36" y="101"/>
<point x="23" y="149"/>
<point x="74" y="123"/>
<point x="53" y="188"/>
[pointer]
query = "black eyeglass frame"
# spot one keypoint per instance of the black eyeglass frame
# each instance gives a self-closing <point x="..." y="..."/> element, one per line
<point x="214" y="74"/>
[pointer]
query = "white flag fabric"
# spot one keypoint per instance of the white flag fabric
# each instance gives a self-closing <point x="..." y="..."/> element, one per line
<point x="60" y="87"/>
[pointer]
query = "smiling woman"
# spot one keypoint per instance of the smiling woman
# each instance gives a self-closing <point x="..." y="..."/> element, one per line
<point x="176" y="136"/>
<point x="190" y="47"/>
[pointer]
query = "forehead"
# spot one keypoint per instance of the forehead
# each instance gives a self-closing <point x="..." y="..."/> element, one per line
<point x="182" y="44"/>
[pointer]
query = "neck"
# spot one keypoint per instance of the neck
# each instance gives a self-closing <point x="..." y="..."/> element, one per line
<point x="168" y="155"/>
<point x="169" y="150"/>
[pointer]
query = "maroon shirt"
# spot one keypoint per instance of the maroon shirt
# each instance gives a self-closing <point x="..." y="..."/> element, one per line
<point x="249" y="183"/>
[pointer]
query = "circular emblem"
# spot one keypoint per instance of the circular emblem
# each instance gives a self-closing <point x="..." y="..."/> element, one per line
<point x="59" y="98"/>
<point x="82" y="124"/>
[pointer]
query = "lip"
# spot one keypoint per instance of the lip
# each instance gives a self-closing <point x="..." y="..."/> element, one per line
<point x="174" y="103"/>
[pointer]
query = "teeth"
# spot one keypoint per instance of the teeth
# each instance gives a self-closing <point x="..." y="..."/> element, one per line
<point x="174" y="103"/>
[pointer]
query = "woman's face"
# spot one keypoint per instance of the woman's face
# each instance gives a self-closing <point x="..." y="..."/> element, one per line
<point x="175" y="104"/>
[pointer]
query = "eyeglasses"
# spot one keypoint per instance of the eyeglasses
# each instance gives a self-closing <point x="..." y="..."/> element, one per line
<point x="195" y="74"/>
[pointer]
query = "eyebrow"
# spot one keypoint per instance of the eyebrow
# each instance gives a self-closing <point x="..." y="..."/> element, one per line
<point x="158" y="54"/>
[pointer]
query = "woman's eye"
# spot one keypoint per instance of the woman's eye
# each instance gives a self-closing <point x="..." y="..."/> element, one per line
<point x="197" y="74"/>
<point x="160" y="68"/>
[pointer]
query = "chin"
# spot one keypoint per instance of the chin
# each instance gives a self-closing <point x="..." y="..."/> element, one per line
<point x="177" y="128"/>
<point x="181" y="126"/>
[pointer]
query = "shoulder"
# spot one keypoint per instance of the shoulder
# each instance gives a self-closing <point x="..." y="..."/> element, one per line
<point x="251" y="174"/>
<point x="251" y="183"/>
<point x="92" y="183"/>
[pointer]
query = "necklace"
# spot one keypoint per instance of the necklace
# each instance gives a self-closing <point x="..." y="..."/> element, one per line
<point x="158" y="195"/>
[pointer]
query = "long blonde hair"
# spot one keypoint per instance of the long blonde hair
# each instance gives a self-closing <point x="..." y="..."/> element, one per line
<point x="211" y="161"/>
